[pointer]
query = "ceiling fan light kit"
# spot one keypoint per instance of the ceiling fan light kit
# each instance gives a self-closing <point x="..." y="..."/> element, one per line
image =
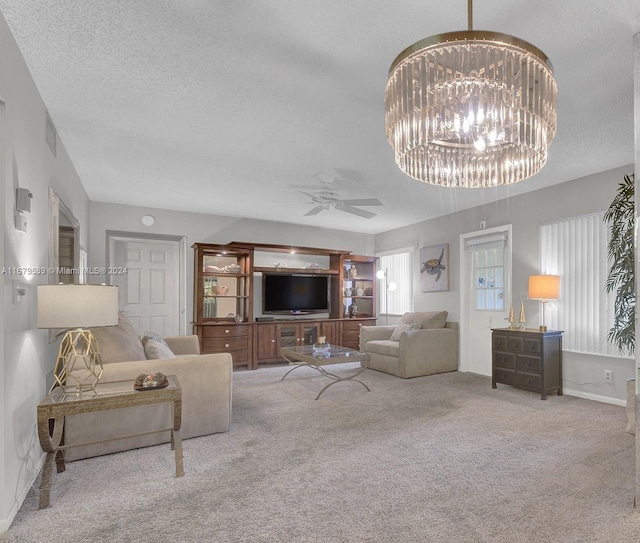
<point x="327" y="198"/>
<point x="471" y="109"/>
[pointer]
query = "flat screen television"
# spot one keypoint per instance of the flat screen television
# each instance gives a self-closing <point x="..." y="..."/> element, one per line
<point x="295" y="293"/>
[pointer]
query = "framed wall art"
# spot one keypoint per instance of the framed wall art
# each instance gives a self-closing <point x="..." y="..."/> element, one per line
<point x="434" y="268"/>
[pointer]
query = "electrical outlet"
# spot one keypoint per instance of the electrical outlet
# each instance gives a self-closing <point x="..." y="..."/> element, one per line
<point x="608" y="376"/>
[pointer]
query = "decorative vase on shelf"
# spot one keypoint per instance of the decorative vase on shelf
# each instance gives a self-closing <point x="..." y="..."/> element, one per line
<point x="347" y="292"/>
<point x="359" y="291"/>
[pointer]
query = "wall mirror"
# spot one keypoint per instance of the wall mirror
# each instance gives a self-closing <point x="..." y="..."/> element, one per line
<point x="64" y="245"/>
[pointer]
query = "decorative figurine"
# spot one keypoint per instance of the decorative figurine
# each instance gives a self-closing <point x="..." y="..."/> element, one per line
<point x="353" y="272"/>
<point x="353" y="311"/>
<point x="522" y="318"/>
<point x="512" y="319"/>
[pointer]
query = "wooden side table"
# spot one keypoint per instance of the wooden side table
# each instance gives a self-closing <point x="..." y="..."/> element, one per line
<point x="115" y="395"/>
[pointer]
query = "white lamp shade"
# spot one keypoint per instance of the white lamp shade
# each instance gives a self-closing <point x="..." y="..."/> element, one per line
<point x="544" y="287"/>
<point x="77" y="306"/>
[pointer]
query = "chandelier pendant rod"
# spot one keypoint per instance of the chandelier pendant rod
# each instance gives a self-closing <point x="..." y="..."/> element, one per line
<point x="470" y="14"/>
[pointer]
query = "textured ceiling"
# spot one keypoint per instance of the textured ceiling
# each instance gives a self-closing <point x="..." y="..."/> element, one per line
<point x="226" y="107"/>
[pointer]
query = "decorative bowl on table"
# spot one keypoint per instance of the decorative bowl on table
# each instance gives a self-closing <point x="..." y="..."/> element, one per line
<point x="150" y="381"/>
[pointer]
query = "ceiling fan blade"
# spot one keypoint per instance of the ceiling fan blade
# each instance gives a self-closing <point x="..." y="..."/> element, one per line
<point x="314" y="211"/>
<point x="363" y="202"/>
<point x="355" y="211"/>
<point x="309" y="194"/>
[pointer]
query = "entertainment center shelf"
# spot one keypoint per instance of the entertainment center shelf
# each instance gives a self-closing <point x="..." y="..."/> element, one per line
<point x="288" y="271"/>
<point x="224" y="296"/>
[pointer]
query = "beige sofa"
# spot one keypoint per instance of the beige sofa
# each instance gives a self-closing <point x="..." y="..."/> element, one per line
<point x="206" y="382"/>
<point x="431" y="348"/>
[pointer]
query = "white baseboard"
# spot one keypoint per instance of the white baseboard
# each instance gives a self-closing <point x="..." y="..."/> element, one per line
<point x="5" y="523"/>
<point x="594" y="397"/>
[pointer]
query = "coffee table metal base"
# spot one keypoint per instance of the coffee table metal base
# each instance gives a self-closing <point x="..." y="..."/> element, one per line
<point x="322" y="369"/>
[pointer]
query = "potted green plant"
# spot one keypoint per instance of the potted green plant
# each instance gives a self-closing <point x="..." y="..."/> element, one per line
<point x="620" y="252"/>
<point x="620" y="218"/>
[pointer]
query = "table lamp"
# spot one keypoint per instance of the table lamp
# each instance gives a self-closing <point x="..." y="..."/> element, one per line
<point x="544" y="288"/>
<point x="76" y="308"/>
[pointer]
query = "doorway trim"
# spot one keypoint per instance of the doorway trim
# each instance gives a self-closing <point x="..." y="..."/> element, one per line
<point x="464" y="285"/>
<point x="113" y="236"/>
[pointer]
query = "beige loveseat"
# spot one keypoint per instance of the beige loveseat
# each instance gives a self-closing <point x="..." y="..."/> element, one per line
<point x="423" y="343"/>
<point x="206" y="394"/>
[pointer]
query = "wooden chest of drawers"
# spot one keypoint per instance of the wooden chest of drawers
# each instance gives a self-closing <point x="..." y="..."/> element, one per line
<point x="527" y="359"/>
<point x="351" y="332"/>
<point x="227" y="338"/>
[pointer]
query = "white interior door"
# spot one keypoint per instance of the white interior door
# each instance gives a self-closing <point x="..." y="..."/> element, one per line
<point x="485" y="279"/>
<point x="149" y="292"/>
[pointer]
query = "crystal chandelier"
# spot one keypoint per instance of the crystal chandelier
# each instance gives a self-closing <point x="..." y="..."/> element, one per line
<point x="471" y="109"/>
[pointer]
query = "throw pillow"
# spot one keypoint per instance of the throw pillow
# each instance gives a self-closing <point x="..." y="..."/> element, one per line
<point x="155" y="349"/>
<point x="152" y="336"/>
<point x="427" y="319"/>
<point x="402" y="328"/>
<point x="119" y="343"/>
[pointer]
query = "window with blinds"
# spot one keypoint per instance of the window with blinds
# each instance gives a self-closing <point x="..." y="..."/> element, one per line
<point x="398" y="268"/>
<point x="576" y="250"/>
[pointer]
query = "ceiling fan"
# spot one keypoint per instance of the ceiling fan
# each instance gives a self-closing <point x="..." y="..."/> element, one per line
<point x="327" y="198"/>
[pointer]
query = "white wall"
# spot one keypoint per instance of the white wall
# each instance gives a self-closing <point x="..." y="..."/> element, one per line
<point x="26" y="352"/>
<point x="583" y="374"/>
<point x="197" y="227"/>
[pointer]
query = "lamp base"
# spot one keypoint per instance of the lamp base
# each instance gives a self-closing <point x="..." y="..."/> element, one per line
<point x="78" y="366"/>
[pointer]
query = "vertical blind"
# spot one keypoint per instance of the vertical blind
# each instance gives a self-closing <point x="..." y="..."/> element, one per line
<point x="576" y="250"/>
<point x="398" y="268"/>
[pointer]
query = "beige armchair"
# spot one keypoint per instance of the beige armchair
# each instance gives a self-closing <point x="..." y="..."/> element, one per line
<point x="433" y="348"/>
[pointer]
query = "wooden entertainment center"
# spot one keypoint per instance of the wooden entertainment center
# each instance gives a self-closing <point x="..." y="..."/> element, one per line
<point x="224" y="295"/>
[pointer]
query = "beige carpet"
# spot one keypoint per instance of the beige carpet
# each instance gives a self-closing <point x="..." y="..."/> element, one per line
<point x="434" y="459"/>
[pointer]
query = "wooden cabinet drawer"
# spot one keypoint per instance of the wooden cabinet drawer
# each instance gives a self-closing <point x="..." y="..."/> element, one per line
<point x="221" y="345"/>
<point x="499" y="342"/>
<point x="351" y="326"/>
<point x="224" y="331"/>
<point x="531" y="346"/>
<point x="504" y="376"/>
<point x="504" y="360"/>
<point x="515" y="343"/>
<point x="531" y="364"/>
<point x="240" y="358"/>
<point x="528" y="380"/>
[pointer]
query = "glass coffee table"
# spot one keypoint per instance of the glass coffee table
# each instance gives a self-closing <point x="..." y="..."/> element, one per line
<point x="309" y="356"/>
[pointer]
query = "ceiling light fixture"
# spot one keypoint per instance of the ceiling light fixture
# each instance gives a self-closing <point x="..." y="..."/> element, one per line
<point x="471" y="109"/>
